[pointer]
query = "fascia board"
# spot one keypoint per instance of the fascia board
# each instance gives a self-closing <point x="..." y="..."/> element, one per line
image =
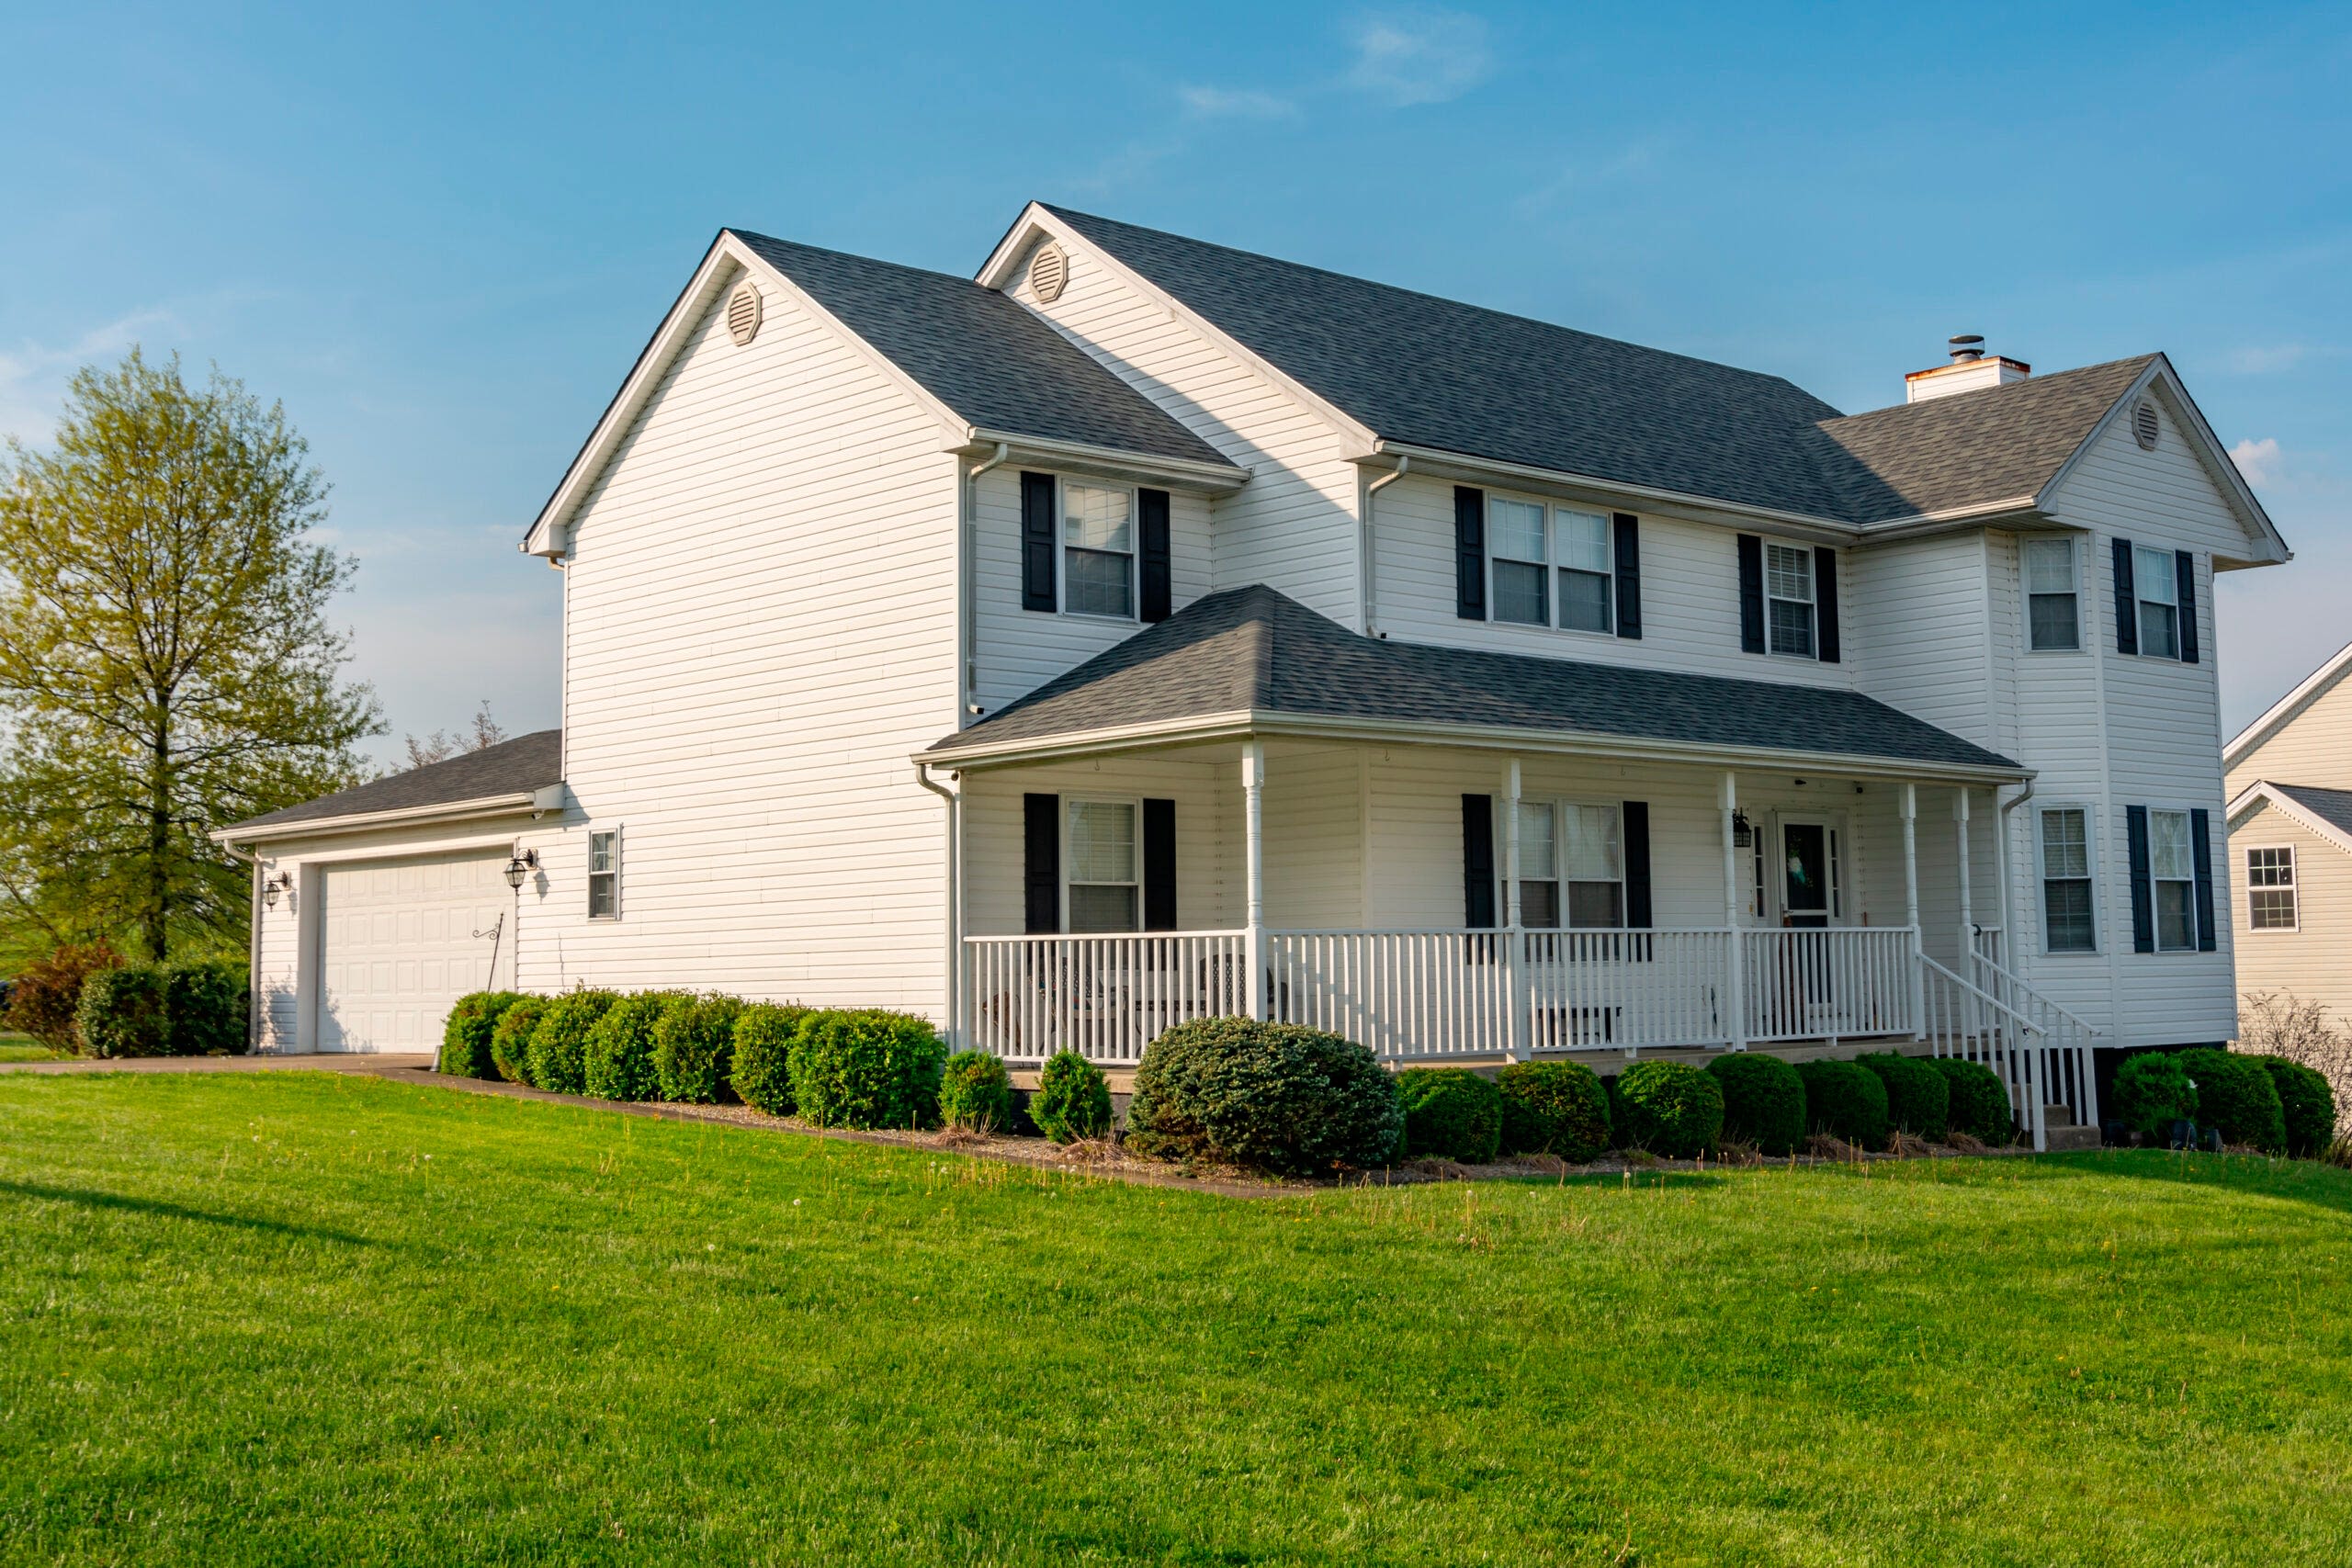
<point x="309" y="827"/>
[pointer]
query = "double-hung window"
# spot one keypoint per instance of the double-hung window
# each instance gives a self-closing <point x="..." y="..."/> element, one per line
<point x="1098" y="552"/>
<point x="1553" y="566"/>
<point x="2068" y="922"/>
<point x="2270" y="889"/>
<point x="2172" y="871"/>
<point x="2052" y="596"/>
<point x="1522" y="571"/>
<point x="1788" y="599"/>
<point x="1106" y="884"/>
<point x="603" y="876"/>
<point x="2158" y="589"/>
<point x="1571" y="866"/>
<point x="1587" y="583"/>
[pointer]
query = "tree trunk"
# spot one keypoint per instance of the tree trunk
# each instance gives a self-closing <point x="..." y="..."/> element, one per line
<point x="154" y="917"/>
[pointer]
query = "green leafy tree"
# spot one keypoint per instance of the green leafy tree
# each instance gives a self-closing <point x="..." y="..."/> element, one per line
<point x="166" y="662"/>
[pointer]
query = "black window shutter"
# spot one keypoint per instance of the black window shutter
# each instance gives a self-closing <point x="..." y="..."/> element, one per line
<point x="1825" y="602"/>
<point x="1160" y="866"/>
<point x="1152" y="515"/>
<point x="1478" y="862"/>
<point x="1470" y="554"/>
<point x="2184" y="572"/>
<point x="2201" y="844"/>
<point x="1636" y="828"/>
<point x="1751" y="593"/>
<point x="1041" y="831"/>
<point x="1629" y="574"/>
<point x="2143" y="894"/>
<point x="1037" y="543"/>
<point x="2127" y="602"/>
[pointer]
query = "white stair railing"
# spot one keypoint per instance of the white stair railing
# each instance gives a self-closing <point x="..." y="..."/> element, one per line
<point x="2070" y="1039"/>
<point x="1966" y="1020"/>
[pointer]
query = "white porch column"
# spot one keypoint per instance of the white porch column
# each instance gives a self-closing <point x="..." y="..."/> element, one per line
<point x="1967" y="912"/>
<point x="1910" y="808"/>
<point x="1734" y="1021"/>
<point x="1254" y="795"/>
<point x="1514" y="992"/>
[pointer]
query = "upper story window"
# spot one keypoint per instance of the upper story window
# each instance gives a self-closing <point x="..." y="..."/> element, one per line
<point x="1571" y="865"/>
<point x="2053" y="596"/>
<point x="1788" y="596"/>
<point x="2069" y="923"/>
<point x="1098" y="552"/>
<point x="1551" y="566"/>
<point x="2158" y="592"/>
<point x="1105" y="881"/>
<point x="603" y="876"/>
<point x="1096" y="549"/>
<point x="2270" y="889"/>
<point x="2172" y="871"/>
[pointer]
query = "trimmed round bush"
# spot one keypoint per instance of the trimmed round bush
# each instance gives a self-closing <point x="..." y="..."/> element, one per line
<point x="868" y="1069"/>
<point x="2152" y="1092"/>
<point x="122" y="1012"/>
<point x="1919" y="1100"/>
<point x="761" y="1067"/>
<point x="1979" y="1100"/>
<point x="1671" y="1108"/>
<point x="2307" y="1102"/>
<point x="206" y="1006"/>
<point x="1270" y="1096"/>
<point x="693" y="1047"/>
<point x="466" y="1034"/>
<point x="1763" y="1101"/>
<point x="2235" y="1094"/>
<point x="1072" y="1099"/>
<point x="559" y="1045"/>
<point x="510" y="1041"/>
<point x="1553" y="1108"/>
<point x="1846" y="1100"/>
<point x="618" y="1062"/>
<point x="975" y="1092"/>
<point x="1450" y="1113"/>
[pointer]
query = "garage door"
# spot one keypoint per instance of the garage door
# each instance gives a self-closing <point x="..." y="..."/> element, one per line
<point x="398" y="944"/>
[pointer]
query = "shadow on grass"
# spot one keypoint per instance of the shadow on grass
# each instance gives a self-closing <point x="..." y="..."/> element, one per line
<point x="176" y="1212"/>
<point x="2297" y="1180"/>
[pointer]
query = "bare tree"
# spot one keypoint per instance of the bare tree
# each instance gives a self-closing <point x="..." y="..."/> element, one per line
<point x="441" y="744"/>
<point x="2274" y="1023"/>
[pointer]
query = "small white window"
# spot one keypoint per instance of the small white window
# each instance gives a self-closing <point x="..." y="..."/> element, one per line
<point x="1788" y="595"/>
<point x="603" y="876"/>
<point x="2053" y="596"/>
<point x="1539" y="865"/>
<point x="1521" y="578"/>
<point x="2173" y="869"/>
<point x="1588" y="585"/>
<point x="1098" y="552"/>
<point x="1105" y="892"/>
<point x="1571" y="865"/>
<point x="2270" y="889"/>
<point x="2068" y="922"/>
<point x="2158" y="589"/>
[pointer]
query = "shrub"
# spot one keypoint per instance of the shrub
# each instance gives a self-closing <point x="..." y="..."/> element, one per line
<point x="559" y="1045"/>
<point x="975" y="1092"/>
<point x="1979" y="1100"/>
<point x="47" y="996"/>
<point x="2273" y="1024"/>
<point x="1271" y="1097"/>
<point x="1072" y="1101"/>
<point x="466" y="1037"/>
<point x="1917" y="1098"/>
<point x="618" y="1061"/>
<point x="510" y="1041"/>
<point x="1553" y="1107"/>
<point x="206" y="1003"/>
<point x="123" y="1014"/>
<point x="2308" y="1106"/>
<point x="2235" y="1094"/>
<point x="1763" y="1101"/>
<point x="2152" y="1092"/>
<point x="1671" y="1108"/>
<point x="866" y="1069"/>
<point x="1450" y="1113"/>
<point x="693" y="1050"/>
<point x="761" y="1068"/>
<point x="1846" y="1101"/>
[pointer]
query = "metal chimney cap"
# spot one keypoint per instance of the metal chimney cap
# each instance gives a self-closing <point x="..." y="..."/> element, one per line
<point x="1967" y="346"/>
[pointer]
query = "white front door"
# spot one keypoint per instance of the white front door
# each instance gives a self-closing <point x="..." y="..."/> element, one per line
<point x="400" y="940"/>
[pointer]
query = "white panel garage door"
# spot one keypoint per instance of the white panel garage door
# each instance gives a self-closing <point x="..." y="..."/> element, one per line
<point x="398" y="946"/>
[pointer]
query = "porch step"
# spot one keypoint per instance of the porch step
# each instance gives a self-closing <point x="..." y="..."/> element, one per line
<point x="2059" y="1131"/>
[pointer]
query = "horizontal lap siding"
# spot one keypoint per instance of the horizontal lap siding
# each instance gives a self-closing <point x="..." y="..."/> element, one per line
<point x="1209" y="830"/>
<point x="2307" y="962"/>
<point x="1919" y="617"/>
<point x="2312" y="748"/>
<point x="760" y="628"/>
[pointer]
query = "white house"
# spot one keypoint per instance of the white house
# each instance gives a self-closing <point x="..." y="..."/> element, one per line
<point x="2289" y="775"/>
<point x="1145" y="628"/>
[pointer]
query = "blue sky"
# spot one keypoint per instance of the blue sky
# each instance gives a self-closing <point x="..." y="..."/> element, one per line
<point x="440" y="236"/>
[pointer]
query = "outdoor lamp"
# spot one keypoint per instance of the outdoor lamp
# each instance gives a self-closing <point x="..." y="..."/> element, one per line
<point x="272" y="887"/>
<point x="1742" y="833"/>
<point x="520" y="867"/>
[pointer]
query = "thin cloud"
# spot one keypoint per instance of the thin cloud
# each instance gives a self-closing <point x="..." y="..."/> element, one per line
<point x="1633" y="162"/>
<point x="1234" y="102"/>
<point x="1419" y="56"/>
<point x="33" y="378"/>
<point x="2257" y="460"/>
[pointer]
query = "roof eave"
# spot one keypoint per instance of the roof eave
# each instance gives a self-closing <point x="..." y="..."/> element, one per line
<point x="505" y="805"/>
<point x="2262" y="792"/>
<point x="1183" y="473"/>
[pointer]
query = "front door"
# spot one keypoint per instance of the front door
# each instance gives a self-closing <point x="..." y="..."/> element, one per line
<point x="1808" y="873"/>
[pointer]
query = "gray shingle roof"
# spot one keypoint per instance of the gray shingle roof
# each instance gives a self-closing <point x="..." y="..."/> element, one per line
<point x="994" y="362"/>
<point x="512" y="767"/>
<point x="2333" y="806"/>
<point x="1253" y="648"/>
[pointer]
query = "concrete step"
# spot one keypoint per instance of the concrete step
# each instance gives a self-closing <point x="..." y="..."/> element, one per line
<point x="2059" y="1130"/>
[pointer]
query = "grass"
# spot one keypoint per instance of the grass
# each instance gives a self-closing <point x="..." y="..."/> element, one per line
<point x="15" y="1047"/>
<point x="295" y="1318"/>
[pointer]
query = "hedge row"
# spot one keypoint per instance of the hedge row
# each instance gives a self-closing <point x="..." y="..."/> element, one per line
<point x="163" y="1010"/>
<point x="2265" y="1102"/>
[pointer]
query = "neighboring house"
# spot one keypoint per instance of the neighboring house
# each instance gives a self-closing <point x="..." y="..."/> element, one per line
<point x="1147" y="628"/>
<point x="2289" y="781"/>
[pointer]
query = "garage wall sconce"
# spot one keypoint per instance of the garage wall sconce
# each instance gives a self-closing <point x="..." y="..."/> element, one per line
<point x="273" y="886"/>
<point x="519" y="869"/>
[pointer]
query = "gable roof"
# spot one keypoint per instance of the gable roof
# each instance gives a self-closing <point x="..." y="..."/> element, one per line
<point x="1256" y="655"/>
<point x="505" y="775"/>
<point x="2289" y="708"/>
<point x="2326" y="812"/>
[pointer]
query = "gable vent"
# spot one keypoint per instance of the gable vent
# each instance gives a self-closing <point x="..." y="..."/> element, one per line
<point x="743" y="314"/>
<point x="1048" y="271"/>
<point x="2144" y="426"/>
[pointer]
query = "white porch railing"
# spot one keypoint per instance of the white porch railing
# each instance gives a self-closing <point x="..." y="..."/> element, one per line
<point x="1825" y="983"/>
<point x="2070" y="1082"/>
<point x="1964" y="1019"/>
<point x="1103" y="997"/>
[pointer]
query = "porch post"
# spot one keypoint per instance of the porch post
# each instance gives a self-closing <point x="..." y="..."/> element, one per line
<point x="1734" y="1021"/>
<point x="1514" y="1000"/>
<point x="1967" y="914"/>
<point x="1253" y="795"/>
<point x="1910" y="807"/>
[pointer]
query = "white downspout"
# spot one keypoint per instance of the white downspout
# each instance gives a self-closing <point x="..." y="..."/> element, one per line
<point x="1368" y="541"/>
<point x="955" y="973"/>
<point x="2010" y="955"/>
<point x="968" y="525"/>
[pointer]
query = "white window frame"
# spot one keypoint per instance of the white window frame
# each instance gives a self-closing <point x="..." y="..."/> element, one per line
<point x="1812" y="601"/>
<point x="2026" y="596"/>
<point x="1554" y="567"/>
<point x="2155" y="882"/>
<point x="1133" y="804"/>
<point x="1559" y="807"/>
<point x="2141" y="600"/>
<point x="1834" y="844"/>
<point x="1063" y="484"/>
<point x="612" y="871"/>
<point x="2041" y="877"/>
<point x="2292" y="887"/>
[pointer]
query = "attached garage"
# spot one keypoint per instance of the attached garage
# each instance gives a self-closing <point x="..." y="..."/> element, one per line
<point x="400" y="940"/>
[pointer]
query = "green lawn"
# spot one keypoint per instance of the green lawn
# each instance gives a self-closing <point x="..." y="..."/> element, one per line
<point x="15" y="1047"/>
<point x="297" y="1319"/>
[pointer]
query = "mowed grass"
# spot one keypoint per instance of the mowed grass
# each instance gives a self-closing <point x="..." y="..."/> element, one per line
<point x="15" y="1047"/>
<point x="297" y="1319"/>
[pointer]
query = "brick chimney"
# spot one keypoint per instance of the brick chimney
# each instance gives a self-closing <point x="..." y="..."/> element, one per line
<point x="1972" y="369"/>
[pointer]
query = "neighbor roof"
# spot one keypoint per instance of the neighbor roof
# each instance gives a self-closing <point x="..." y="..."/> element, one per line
<point x="1255" y="650"/>
<point x="999" y="366"/>
<point x="2333" y="806"/>
<point x="511" y="768"/>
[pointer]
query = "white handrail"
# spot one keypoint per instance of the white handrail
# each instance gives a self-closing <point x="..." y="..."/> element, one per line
<point x="1966" y="1020"/>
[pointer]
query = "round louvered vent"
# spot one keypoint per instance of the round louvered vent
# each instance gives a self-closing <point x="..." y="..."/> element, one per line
<point x="743" y="314"/>
<point x="1048" y="271"/>
<point x="2144" y="426"/>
